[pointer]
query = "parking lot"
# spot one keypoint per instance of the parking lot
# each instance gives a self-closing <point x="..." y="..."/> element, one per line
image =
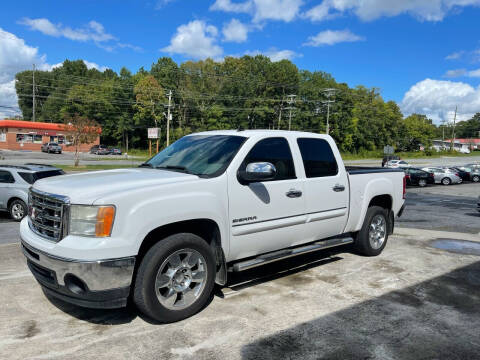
<point x="414" y="301"/>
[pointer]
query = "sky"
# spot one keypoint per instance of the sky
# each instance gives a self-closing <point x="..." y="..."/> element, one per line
<point x="423" y="54"/>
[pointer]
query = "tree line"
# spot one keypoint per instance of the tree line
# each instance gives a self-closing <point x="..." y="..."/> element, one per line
<point x="246" y="92"/>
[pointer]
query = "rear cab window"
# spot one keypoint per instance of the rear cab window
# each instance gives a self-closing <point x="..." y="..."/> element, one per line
<point x="318" y="158"/>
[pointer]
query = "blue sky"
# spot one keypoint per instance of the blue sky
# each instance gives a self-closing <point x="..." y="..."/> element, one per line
<point x="424" y="54"/>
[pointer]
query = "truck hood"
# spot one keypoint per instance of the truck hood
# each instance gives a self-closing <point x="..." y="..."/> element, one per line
<point x="85" y="188"/>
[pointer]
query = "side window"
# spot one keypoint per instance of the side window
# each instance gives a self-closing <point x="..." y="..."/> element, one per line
<point x="6" y="177"/>
<point x="318" y="158"/>
<point x="275" y="151"/>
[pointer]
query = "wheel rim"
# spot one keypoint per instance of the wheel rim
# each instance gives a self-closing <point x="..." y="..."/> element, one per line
<point x="181" y="279"/>
<point x="377" y="232"/>
<point x="476" y="179"/>
<point x="422" y="182"/>
<point x="17" y="211"/>
<point x="446" y="181"/>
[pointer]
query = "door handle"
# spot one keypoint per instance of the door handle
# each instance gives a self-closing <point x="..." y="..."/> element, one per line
<point x="292" y="193"/>
<point x="338" y="188"/>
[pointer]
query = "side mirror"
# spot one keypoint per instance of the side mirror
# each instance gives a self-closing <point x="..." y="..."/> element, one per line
<point x="257" y="172"/>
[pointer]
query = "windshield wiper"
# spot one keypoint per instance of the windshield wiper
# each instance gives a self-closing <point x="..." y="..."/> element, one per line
<point x="176" y="168"/>
<point x="146" y="165"/>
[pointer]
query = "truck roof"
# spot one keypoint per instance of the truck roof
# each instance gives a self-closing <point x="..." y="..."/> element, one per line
<point x="260" y="132"/>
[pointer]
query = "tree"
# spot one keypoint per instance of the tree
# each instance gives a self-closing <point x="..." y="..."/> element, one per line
<point x="81" y="130"/>
<point x="416" y="130"/>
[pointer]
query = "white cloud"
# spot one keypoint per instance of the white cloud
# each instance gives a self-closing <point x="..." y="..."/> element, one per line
<point x="229" y="6"/>
<point x="93" y="31"/>
<point x="319" y="12"/>
<point x="474" y="73"/>
<point x="196" y="40"/>
<point x="275" y="54"/>
<point x="15" y="56"/>
<point x="437" y="99"/>
<point x="332" y="37"/>
<point x="367" y="10"/>
<point x="235" y="31"/>
<point x="455" y="56"/>
<point x="455" y="73"/>
<point x="283" y="10"/>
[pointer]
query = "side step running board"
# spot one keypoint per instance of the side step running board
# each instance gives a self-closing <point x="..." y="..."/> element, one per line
<point x="284" y="254"/>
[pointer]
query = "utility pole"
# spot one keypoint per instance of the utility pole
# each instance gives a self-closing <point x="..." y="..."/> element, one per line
<point x="291" y="102"/>
<point x="454" y="124"/>
<point x="33" y="93"/>
<point x="328" y="93"/>
<point x="169" y="115"/>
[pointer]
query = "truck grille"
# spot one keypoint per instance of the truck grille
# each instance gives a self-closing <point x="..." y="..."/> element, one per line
<point x="47" y="214"/>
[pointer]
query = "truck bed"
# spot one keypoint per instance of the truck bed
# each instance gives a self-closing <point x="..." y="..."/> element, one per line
<point x="358" y="170"/>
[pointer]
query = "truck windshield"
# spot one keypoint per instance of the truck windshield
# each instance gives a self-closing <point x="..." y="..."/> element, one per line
<point x="203" y="155"/>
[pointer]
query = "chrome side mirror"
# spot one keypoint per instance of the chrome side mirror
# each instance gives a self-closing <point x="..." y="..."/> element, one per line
<point x="256" y="172"/>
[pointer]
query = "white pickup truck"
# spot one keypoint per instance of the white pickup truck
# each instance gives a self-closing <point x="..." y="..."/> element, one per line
<point x="211" y="203"/>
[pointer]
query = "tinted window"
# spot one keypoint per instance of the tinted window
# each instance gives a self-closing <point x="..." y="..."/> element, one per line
<point x="275" y="151"/>
<point x="318" y="158"/>
<point x="204" y="155"/>
<point x="32" y="177"/>
<point x="6" y="177"/>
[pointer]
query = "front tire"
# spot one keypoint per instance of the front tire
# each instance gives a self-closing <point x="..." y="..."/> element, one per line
<point x="422" y="182"/>
<point x="446" y="181"/>
<point x="175" y="278"/>
<point x="17" y="210"/>
<point x="372" y="238"/>
<point x="476" y="178"/>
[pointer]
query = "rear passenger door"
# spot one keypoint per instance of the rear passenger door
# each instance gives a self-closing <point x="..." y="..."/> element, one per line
<point x="326" y="189"/>
<point x="268" y="215"/>
<point x="6" y="181"/>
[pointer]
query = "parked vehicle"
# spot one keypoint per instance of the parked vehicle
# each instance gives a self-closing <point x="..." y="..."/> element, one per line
<point x="478" y="203"/>
<point x="387" y="158"/>
<point x="210" y="203"/>
<point x="463" y="174"/>
<point x="115" y="151"/>
<point x="395" y="164"/>
<point x="444" y="176"/>
<point x="15" y="182"/>
<point x="419" y="177"/>
<point x="99" y="150"/>
<point x="473" y="170"/>
<point x="51" y="148"/>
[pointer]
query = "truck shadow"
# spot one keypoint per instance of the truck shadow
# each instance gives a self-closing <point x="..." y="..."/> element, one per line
<point x="237" y="282"/>
<point x="434" y="319"/>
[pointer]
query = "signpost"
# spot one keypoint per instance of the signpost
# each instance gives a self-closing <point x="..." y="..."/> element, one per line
<point x="153" y="133"/>
<point x="388" y="150"/>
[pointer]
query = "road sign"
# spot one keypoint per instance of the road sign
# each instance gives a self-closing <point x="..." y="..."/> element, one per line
<point x="153" y="133"/>
<point x="388" y="150"/>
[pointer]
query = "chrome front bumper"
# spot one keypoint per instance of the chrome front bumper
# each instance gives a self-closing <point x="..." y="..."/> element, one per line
<point x="100" y="284"/>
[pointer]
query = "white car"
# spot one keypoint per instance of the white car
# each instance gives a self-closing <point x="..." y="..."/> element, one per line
<point x="209" y="204"/>
<point x="444" y="176"/>
<point x="395" y="164"/>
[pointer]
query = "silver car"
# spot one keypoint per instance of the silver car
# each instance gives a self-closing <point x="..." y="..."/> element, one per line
<point x="15" y="180"/>
<point x="444" y="176"/>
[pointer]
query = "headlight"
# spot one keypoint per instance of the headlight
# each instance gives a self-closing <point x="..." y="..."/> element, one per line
<point x="96" y="221"/>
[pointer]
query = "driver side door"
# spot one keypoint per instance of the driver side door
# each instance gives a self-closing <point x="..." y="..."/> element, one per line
<point x="268" y="215"/>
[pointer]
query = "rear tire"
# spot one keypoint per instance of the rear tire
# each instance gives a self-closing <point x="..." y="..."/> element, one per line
<point x="168" y="287"/>
<point x="446" y="181"/>
<point x="17" y="210"/>
<point x="422" y="182"/>
<point x="372" y="238"/>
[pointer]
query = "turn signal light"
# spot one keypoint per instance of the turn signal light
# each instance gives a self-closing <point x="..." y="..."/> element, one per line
<point x="105" y="217"/>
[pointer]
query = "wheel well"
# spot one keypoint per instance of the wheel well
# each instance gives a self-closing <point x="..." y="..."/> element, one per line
<point x="12" y="200"/>
<point x="205" y="228"/>
<point x="384" y="201"/>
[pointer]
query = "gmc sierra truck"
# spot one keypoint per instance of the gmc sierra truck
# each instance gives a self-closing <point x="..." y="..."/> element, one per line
<point x="163" y="234"/>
